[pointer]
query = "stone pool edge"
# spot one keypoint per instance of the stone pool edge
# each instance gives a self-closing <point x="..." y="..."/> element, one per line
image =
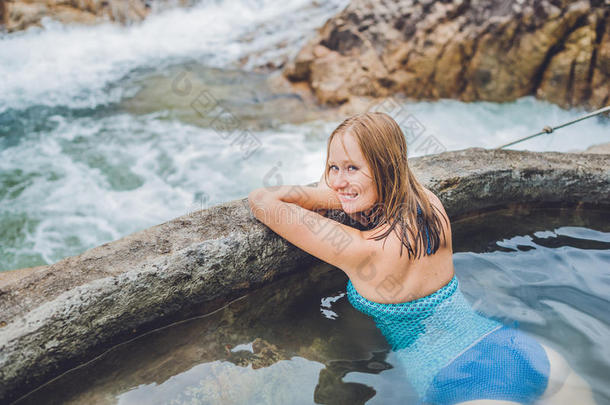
<point x="55" y="316"/>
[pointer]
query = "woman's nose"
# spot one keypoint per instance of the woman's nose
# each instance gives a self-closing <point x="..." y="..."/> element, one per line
<point x="338" y="181"/>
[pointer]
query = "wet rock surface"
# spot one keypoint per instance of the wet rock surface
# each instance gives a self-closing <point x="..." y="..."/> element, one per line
<point x="53" y="317"/>
<point x="21" y="14"/>
<point x="470" y="50"/>
<point x="256" y="101"/>
<point x="17" y="15"/>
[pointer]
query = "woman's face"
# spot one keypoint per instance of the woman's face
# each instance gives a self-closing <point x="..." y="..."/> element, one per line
<point x="349" y="174"/>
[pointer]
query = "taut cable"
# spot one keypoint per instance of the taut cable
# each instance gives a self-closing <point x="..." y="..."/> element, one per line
<point x="547" y="129"/>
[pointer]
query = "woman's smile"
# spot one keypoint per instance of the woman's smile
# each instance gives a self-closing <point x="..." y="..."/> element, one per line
<point x="349" y="175"/>
<point x="347" y="196"/>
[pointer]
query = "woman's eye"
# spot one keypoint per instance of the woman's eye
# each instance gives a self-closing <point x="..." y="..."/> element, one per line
<point x="349" y="168"/>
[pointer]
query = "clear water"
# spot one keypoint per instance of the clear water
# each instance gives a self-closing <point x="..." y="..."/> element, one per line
<point x="99" y="139"/>
<point x="299" y="340"/>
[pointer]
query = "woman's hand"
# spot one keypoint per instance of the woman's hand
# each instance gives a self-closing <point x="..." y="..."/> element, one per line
<point x="357" y="216"/>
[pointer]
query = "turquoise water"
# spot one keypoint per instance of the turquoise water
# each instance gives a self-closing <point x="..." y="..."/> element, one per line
<point x="99" y="137"/>
<point x="300" y="341"/>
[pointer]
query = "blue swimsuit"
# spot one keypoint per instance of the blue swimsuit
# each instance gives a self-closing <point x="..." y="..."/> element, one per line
<point x="451" y="353"/>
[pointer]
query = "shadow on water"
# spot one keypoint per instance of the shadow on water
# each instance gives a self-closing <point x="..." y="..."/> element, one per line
<point x="300" y="341"/>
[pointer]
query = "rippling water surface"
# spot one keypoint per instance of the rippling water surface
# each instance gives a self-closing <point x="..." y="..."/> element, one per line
<point x="101" y="133"/>
<point x="300" y="341"/>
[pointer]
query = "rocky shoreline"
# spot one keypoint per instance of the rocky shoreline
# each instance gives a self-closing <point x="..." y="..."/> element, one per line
<point x="469" y="50"/>
<point x="557" y="50"/>
<point x="55" y="317"/>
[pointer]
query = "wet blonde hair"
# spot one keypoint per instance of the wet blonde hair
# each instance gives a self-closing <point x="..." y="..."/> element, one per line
<point x="383" y="145"/>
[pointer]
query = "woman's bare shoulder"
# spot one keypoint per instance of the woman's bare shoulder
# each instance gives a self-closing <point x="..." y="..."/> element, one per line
<point x="435" y="201"/>
<point x="445" y="221"/>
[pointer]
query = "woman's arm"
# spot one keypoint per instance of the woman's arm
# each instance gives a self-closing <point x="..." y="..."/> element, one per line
<point x="288" y="211"/>
<point x="310" y="198"/>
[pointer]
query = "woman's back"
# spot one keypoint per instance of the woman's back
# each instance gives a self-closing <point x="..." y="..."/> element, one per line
<point x="388" y="277"/>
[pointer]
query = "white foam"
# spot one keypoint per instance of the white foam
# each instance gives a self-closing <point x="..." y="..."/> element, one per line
<point x="91" y="180"/>
<point x="459" y="125"/>
<point x="76" y="65"/>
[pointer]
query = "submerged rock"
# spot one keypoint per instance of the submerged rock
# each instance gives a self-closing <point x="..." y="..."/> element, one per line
<point x="497" y="50"/>
<point x="204" y="96"/>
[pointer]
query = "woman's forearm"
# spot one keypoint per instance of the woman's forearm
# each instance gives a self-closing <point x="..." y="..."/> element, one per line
<point x="311" y="198"/>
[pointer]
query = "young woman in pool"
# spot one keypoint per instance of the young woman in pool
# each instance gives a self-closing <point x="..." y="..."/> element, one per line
<point x="451" y="353"/>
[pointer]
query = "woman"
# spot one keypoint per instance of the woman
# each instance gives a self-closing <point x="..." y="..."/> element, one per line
<point x="451" y="353"/>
